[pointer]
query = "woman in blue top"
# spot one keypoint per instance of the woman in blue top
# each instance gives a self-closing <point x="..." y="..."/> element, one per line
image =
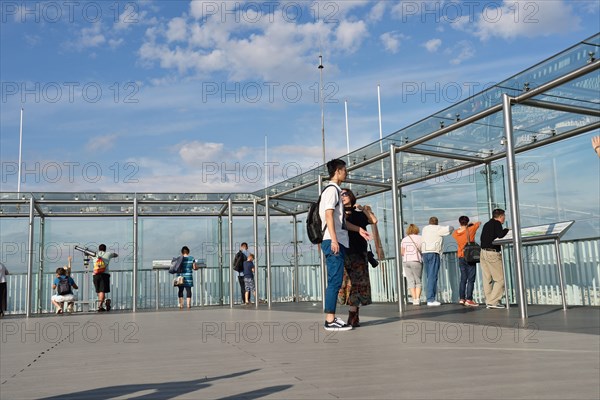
<point x="188" y="266"/>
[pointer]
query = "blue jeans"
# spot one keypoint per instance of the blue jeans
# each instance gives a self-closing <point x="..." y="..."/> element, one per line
<point x="432" y="267"/>
<point x="335" y="274"/>
<point x="467" y="279"/>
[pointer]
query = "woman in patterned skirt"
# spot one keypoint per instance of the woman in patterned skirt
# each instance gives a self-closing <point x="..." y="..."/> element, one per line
<point x="356" y="286"/>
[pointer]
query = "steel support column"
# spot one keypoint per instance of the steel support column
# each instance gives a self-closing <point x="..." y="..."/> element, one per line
<point x="220" y="257"/>
<point x="28" y="302"/>
<point x="41" y="269"/>
<point x="268" y="248"/>
<point x="397" y="229"/>
<point x="256" y="256"/>
<point x="231" y="252"/>
<point x="134" y="291"/>
<point x="514" y="204"/>
<point x="295" y="238"/>
<point x="321" y="258"/>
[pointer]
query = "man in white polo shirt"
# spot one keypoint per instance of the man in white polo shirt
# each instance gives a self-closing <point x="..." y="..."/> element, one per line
<point x="335" y="240"/>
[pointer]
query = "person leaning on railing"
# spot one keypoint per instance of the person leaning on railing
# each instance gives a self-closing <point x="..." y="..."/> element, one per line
<point x="412" y="262"/>
<point x="468" y="270"/>
<point x="492" y="270"/>
<point x="3" y="289"/>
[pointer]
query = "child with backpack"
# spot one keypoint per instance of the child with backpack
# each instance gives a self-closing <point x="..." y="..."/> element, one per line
<point x="64" y="285"/>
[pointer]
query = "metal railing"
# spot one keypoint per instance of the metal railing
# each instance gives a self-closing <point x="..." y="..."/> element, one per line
<point x="581" y="262"/>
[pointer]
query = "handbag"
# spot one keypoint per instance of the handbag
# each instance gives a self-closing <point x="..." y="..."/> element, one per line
<point x="178" y="281"/>
<point x="472" y="250"/>
<point x="176" y="264"/>
<point x="371" y="257"/>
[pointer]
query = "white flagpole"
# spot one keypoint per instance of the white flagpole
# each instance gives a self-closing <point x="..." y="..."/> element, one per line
<point x="322" y="105"/>
<point x="266" y="167"/>
<point x="379" y="107"/>
<point x="347" y="130"/>
<point x="20" y="152"/>
<point x="380" y="131"/>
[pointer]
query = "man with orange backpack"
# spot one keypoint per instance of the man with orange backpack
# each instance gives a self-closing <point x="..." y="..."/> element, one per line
<point x="102" y="277"/>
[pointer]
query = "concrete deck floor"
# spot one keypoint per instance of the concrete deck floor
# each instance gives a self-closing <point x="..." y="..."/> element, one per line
<point x="447" y="352"/>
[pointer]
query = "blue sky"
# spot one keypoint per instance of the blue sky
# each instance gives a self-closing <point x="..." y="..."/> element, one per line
<point x="178" y="96"/>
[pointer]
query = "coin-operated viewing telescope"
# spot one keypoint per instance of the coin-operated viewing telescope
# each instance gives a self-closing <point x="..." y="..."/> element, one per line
<point x="87" y="254"/>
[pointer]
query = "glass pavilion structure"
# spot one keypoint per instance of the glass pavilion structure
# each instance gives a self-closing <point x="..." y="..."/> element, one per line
<point x="473" y="147"/>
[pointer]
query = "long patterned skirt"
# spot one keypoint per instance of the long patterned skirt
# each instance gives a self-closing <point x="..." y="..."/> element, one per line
<point x="356" y="286"/>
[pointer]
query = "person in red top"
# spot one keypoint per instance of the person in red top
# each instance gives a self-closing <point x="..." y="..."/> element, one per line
<point x="467" y="270"/>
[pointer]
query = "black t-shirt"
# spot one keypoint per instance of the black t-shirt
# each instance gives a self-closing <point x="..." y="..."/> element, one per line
<point x="357" y="243"/>
<point x="491" y="231"/>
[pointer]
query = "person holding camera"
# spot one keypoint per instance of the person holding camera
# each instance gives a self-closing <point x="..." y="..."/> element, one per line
<point x="101" y="276"/>
<point x="356" y="284"/>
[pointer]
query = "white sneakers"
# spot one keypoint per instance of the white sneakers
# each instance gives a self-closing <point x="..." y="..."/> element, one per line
<point x="337" y="325"/>
<point x="434" y="303"/>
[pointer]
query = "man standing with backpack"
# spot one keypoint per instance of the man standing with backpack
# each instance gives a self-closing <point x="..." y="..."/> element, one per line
<point x="238" y="267"/>
<point x="335" y="240"/>
<point x="102" y="277"/>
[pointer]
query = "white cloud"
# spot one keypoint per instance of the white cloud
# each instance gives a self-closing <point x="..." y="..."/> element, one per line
<point x="271" y="48"/>
<point x="101" y="143"/>
<point x="130" y="17"/>
<point x="177" y="30"/>
<point x="432" y="45"/>
<point x="392" y="40"/>
<point x="91" y="37"/>
<point x="526" y="18"/>
<point x="114" y="43"/>
<point x="376" y="13"/>
<point x="462" y="51"/>
<point x="195" y="153"/>
<point x="200" y="9"/>
<point x="349" y="35"/>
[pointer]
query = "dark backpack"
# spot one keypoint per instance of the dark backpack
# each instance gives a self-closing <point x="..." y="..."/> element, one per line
<point x="176" y="265"/>
<point x="313" y="221"/>
<point x="238" y="261"/>
<point x="64" y="286"/>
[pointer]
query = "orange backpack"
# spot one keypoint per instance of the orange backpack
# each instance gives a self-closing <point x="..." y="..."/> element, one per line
<point x="99" y="266"/>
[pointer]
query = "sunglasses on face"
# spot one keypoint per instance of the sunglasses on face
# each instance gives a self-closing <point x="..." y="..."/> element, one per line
<point x="345" y="194"/>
